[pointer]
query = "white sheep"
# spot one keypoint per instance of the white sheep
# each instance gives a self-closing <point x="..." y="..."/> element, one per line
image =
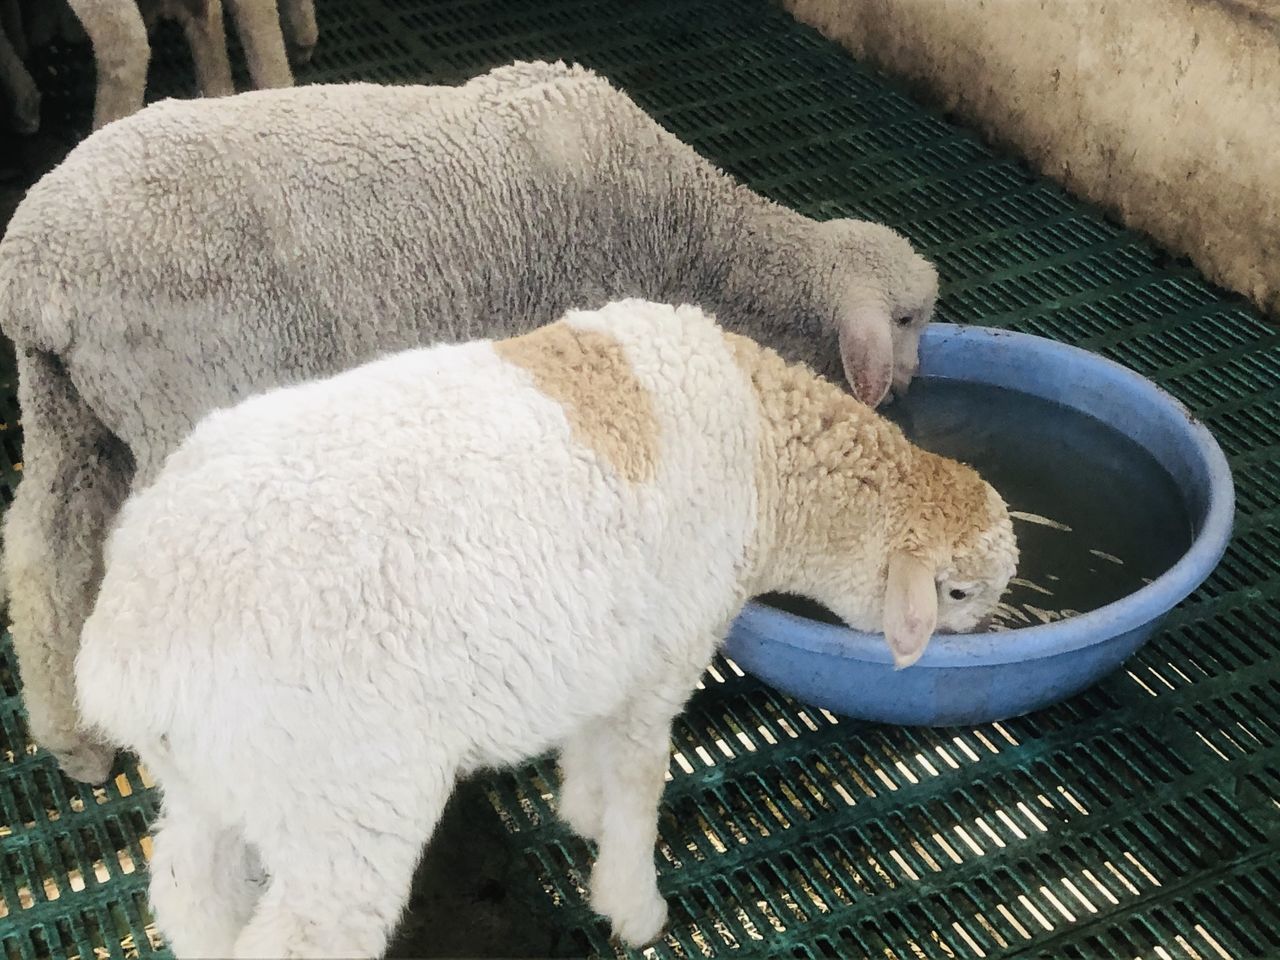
<point x="337" y="598"/>
<point x="201" y="251"/>
<point x="118" y="30"/>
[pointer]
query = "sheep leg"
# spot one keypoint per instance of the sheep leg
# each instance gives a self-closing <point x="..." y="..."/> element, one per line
<point x="258" y="23"/>
<point x="581" y="789"/>
<point x="120" y="51"/>
<point x="632" y="750"/>
<point x="300" y="28"/>
<point x="75" y="476"/>
<point x="205" y="880"/>
<point x="11" y="26"/>
<point x="17" y="83"/>
<point x="41" y="24"/>
<point x="333" y="901"/>
<point x="340" y="876"/>
<point x="207" y="37"/>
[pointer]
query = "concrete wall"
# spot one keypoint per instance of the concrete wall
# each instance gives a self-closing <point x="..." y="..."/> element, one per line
<point x="1165" y="111"/>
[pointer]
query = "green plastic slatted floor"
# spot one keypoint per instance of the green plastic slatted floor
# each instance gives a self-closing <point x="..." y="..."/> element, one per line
<point x="1137" y="820"/>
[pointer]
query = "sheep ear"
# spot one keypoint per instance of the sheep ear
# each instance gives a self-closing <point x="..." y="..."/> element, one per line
<point x="866" y="349"/>
<point x="910" y="608"/>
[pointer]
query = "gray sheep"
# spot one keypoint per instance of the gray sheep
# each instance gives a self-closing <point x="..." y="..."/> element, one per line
<point x="202" y="251"/>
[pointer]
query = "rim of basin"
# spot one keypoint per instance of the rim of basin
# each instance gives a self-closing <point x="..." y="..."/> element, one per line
<point x="1082" y="381"/>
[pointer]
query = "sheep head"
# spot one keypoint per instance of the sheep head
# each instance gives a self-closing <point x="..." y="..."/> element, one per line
<point x="886" y="535"/>
<point x="949" y="560"/>
<point x="884" y="293"/>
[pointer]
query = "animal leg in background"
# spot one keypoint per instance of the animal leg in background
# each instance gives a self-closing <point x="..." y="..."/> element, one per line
<point x="301" y="32"/>
<point x="15" y="80"/>
<point x="206" y="35"/>
<point x="76" y="474"/>
<point x="121" y="52"/>
<point x="12" y="26"/>
<point x="258" y="23"/>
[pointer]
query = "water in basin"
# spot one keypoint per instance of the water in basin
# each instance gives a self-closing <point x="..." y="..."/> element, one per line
<point x="1096" y="516"/>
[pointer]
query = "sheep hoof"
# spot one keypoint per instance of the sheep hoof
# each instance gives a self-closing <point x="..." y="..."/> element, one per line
<point x="300" y="55"/>
<point x="637" y="918"/>
<point x="87" y="762"/>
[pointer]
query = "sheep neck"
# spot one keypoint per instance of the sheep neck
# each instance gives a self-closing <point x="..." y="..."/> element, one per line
<point x="826" y="468"/>
<point x="768" y="285"/>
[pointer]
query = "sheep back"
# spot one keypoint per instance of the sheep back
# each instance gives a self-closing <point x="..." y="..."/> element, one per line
<point x="202" y="250"/>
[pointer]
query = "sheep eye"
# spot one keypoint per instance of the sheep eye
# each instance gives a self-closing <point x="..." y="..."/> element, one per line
<point x="904" y="320"/>
<point x="958" y="594"/>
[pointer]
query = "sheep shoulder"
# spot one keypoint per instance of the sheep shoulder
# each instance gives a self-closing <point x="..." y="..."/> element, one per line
<point x="587" y="373"/>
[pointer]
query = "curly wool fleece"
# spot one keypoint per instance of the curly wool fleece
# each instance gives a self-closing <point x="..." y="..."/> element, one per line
<point x="202" y="251"/>
<point x="464" y="556"/>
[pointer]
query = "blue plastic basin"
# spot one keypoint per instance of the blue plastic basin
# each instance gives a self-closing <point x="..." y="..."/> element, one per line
<point x="976" y="678"/>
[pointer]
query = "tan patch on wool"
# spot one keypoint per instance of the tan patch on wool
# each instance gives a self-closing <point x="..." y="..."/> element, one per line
<point x="587" y="373"/>
<point x="834" y="476"/>
<point x="951" y="502"/>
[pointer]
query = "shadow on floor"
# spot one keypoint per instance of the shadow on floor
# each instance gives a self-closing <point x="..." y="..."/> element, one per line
<point x="474" y="895"/>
